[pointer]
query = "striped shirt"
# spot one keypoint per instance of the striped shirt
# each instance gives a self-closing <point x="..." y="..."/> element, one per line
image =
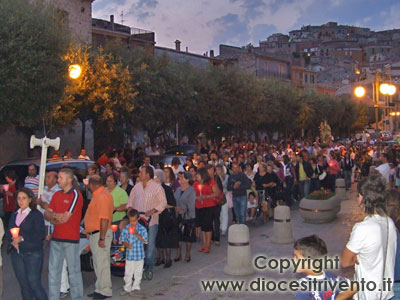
<point x="145" y="199"/>
<point x="33" y="184"/>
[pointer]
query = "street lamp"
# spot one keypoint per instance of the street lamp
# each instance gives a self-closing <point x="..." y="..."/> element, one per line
<point x="387" y="89"/>
<point x="74" y="71"/>
<point x="359" y="92"/>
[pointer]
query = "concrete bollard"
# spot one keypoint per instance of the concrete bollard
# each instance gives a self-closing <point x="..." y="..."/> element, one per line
<point x="340" y="189"/>
<point x="239" y="261"/>
<point x="282" y="232"/>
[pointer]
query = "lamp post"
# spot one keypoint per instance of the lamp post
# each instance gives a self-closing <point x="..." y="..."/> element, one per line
<point x="75" y="71"/>
<point x="378" y="87"/>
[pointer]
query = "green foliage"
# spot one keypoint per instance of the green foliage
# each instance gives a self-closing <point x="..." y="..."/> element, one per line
<point x="32" y="72"/>
<point x="103" y="92"/>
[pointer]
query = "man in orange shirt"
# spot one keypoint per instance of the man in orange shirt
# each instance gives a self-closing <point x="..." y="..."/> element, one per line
<point x="98" y="220"/>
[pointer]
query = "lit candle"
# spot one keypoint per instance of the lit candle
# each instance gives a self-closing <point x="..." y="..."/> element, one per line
<point x="15" y="233"/>
<point x="131" y="230"/>
<point x="114" y="228"/>
<point x="200" y="188"/>
<point x="6" y="187"/>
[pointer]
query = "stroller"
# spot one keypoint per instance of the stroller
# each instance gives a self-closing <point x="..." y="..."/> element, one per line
<point x="263" y="206"/>
<point x="117" y="255"/>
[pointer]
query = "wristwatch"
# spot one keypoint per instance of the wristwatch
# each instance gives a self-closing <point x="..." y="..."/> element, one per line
<point x="101" y="239"/>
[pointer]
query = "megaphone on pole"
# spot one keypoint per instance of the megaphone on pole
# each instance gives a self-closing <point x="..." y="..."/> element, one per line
<point x="44" y="143"/>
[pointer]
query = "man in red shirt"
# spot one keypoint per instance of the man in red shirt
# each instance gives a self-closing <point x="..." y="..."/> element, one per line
<point x="65" y="211"/>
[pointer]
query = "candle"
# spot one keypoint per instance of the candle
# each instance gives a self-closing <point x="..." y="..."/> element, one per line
<point x="200" y="188"/>
<point x="15" y="232"/>
<point x="114" y="227"/>
<point x="6" y="187"/>
<point x="131" y="229"/>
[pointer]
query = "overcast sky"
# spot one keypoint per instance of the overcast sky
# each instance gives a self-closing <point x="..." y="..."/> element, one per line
<point x="202" y="25"/>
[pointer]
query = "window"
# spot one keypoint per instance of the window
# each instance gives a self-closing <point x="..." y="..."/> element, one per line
<point x="311" y="78"/>
<point x="305" y="78"/>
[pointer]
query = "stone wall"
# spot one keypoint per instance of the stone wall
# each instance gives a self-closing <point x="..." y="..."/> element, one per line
<point x="79" y="18"/>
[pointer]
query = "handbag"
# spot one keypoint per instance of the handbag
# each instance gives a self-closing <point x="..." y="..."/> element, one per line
<point x="223" y="199"/>
<point x="186" y="227"/>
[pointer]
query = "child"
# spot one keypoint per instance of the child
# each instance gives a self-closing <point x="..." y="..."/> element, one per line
<point x="310" y="249"/>
<point x="251" y="206"/>
<point x="133" y="237"/>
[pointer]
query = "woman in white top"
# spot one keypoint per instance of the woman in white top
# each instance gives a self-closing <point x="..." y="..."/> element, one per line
<point x="372" y="244"/>
<point x="176" y="166"/>
<point x="220" y="170"/>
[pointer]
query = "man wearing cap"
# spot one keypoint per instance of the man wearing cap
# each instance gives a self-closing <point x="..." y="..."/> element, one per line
<point x="98" y="220"/>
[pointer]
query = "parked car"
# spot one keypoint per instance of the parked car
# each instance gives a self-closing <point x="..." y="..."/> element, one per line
<point x="79" y="166"/>
<point x="166" y="160"/>
<point x="386" y="135"/>
<point x="181" y="150"/>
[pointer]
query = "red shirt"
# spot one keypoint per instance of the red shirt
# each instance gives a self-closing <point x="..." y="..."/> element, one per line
<point x="206" y="189"/>
<point x="9" y="201"/>
<point x="103" y="160"/>
<point x="71" y="202"/>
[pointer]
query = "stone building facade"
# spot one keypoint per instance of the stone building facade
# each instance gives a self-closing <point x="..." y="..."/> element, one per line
<point x="78" y="15"/>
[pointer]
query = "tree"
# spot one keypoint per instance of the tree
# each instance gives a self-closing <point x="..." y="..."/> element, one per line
<point x="32" y="72"/>
<point x="103" y="93"/>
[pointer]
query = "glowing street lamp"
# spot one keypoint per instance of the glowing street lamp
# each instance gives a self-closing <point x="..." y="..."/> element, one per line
<point x="359" y="92"/>
<point x="74" y="71"/>
<point x="384" y="88"/>
<point x="391" y="90"/>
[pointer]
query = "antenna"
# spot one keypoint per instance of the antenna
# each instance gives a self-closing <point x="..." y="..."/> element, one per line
<point x="122" y="17"/>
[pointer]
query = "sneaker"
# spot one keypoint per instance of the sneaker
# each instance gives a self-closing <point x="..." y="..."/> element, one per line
<point x="63" y="295"/>
<point x="124" y="293"/>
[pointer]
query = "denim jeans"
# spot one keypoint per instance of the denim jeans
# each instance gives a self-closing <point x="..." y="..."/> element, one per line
<point x="240" y="207"/>
<point x="347" y="178"/>
<point x="28" y="270"/>
<point x="304" y="188"/>
<point x="151" y="248"/>
<point x="83" y="243"/>
<point x="69" y="251"/>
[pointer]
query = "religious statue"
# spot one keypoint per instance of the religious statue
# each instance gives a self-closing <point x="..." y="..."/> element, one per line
<point x="326" y="133"/>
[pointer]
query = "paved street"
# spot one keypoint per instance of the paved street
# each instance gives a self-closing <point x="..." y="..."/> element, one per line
<point x="182" y="280"/>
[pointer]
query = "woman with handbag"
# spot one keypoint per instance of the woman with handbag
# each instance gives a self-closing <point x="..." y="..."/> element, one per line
<point x="167" y="235"/>
<point x="27" y="246"/>
<point x="185" y="197"/>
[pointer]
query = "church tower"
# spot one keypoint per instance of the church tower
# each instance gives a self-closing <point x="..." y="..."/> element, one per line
<point x="78" y="15"/>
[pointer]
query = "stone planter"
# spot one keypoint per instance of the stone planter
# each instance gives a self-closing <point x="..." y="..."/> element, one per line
<point x="319" y="211"/>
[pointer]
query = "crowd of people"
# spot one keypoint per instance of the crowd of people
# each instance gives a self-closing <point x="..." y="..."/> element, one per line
<point x="159" y="209"/>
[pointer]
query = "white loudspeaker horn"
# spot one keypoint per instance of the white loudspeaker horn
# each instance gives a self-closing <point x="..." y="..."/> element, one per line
<point x="55" y="143"/>
<point x="35" y="142"/>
